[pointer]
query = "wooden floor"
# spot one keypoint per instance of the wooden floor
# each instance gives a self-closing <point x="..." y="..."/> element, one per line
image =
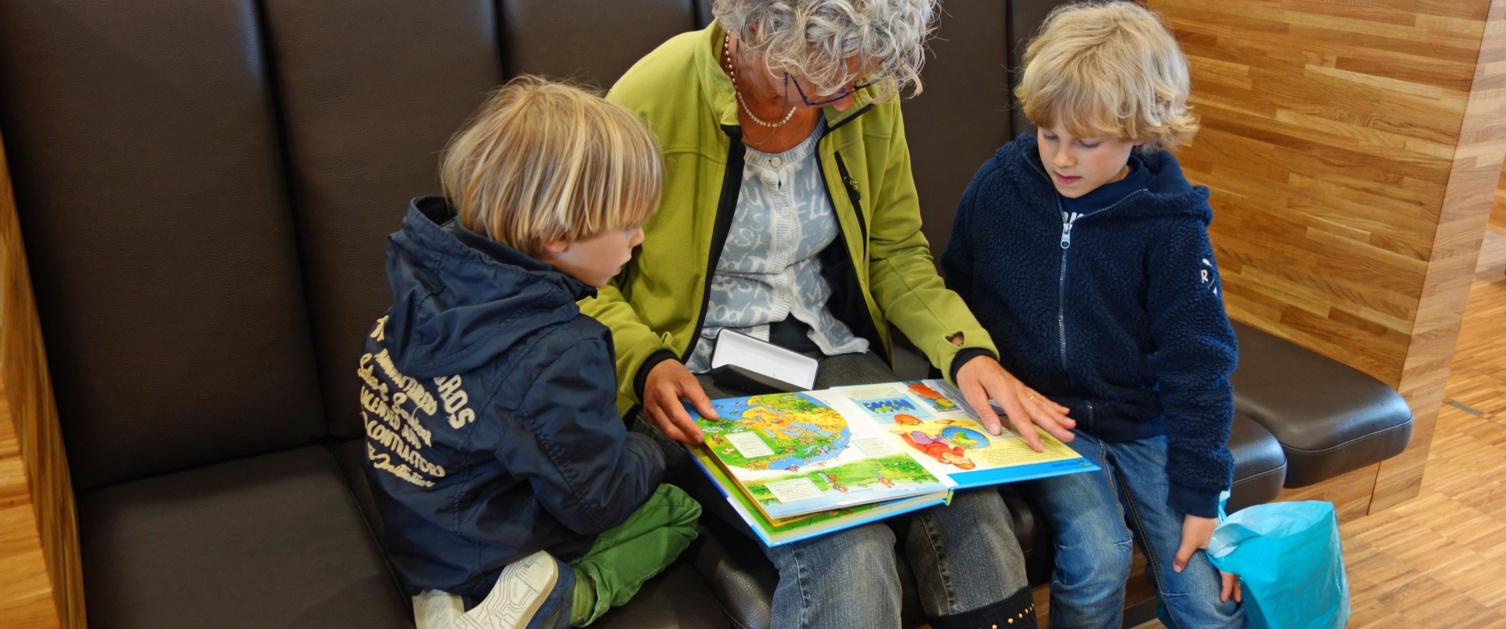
<point x="1439" y="560"/>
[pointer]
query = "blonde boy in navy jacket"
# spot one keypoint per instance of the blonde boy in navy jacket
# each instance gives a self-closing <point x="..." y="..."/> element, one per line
<point x="1084" y="252"/>
<point x="513" y="495"/>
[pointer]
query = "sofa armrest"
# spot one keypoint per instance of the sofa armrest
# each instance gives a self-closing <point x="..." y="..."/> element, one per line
<point x="40" y="570"/>
<point x="1329" y="417"/>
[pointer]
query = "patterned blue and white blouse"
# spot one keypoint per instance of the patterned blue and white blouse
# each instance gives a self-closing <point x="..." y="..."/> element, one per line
<point x="768" y="269"/>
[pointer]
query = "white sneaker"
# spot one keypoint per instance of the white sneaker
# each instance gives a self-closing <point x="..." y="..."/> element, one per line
<point x="519" y="593"/>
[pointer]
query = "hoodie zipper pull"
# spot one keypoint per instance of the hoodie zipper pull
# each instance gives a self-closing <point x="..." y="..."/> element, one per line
<point x="1067" y="221"/>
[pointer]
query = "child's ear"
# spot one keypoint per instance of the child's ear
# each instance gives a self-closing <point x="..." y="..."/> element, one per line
<point x="557" y="246"/>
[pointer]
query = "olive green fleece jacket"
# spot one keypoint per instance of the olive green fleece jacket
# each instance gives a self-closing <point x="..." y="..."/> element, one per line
<point x="880" y="267"/>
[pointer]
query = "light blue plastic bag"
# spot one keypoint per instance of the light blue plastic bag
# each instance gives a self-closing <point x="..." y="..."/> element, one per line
<point x="1289" y="561"/>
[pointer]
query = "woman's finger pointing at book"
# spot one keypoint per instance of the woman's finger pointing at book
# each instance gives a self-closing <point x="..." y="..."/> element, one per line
<point x="980" y="379"/>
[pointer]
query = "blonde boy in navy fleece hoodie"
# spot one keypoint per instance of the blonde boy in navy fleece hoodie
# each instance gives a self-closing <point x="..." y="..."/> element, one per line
<point x="1084" y="252"/>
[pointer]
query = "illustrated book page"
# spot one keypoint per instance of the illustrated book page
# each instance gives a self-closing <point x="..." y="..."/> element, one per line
<point x="931" y="420"/>
<point x="792" y="454"/>
<point x="809" y="525"/>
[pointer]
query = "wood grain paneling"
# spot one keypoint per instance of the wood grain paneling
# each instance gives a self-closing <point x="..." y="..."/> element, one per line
<point x="1352" y="149"/>
<point x="1439" y="560"/>
<point x="41" y="582"/>
<point x="1473" y="174"/>
<point x="1498" y="215"/>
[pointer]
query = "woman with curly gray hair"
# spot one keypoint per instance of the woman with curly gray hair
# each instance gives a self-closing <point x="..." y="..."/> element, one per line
<point x="789" y="214"/>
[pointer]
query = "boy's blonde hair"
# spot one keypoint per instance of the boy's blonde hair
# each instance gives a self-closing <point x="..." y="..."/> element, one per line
<point x="543" y="161"/>
<point x="1108" y="68"/>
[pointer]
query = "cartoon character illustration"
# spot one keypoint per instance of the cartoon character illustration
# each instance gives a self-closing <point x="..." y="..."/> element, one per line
<point x="835" y="484"/>
<point x="905" y="419"/>
<point x="938" y="448"/>
<point x="882" y="480"/>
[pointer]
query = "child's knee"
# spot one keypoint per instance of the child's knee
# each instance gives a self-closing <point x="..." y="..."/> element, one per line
<point x="680" y="509"/>
<point x="1104" y="564"/>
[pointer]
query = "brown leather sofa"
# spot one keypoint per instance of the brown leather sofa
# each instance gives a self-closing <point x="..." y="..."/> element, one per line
<point x="204" y="188"/>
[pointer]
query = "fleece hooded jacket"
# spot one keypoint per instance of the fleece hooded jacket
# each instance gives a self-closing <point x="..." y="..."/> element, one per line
<point x="488" y="401"/>
<point x="1114" y="312"/>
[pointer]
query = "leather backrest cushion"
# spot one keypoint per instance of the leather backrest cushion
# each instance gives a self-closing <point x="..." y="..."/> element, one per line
<point x="1024" y="22"/>
<point x="206" y="186"/>
<point x="589" y="41"/>
<point x="148" y="174"/>
<point x="703" y="15"/>
<point x="958" y="120"/>
<point x="369" y="91"/>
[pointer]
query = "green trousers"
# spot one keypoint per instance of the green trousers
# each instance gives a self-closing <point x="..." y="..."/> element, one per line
<point x="623" y="558"/>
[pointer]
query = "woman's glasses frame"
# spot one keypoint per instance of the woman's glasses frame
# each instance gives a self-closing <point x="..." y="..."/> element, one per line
<point x="825" y="101"/>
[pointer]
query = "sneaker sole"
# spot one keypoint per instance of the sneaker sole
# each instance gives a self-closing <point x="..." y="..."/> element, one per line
<point x="519" y="593"/>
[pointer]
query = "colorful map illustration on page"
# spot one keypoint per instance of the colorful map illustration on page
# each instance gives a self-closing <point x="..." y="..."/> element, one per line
<point x="793" y="455"/>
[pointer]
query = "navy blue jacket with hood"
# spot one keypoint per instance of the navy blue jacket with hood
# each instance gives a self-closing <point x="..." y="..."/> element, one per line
<point x="490" y="409"/>
<point x="1115" y="312"/>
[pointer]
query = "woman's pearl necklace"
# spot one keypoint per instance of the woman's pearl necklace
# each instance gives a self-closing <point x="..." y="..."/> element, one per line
<point x="732" y="72"/>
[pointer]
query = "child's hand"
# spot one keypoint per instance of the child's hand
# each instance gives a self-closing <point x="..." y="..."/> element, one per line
<point x="982" y="379"/>
<point x="1196" y="532"/>
<point x="666" y="384"/>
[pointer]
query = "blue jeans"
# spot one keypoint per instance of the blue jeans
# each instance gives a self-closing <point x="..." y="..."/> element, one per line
<point x="1094" y="516"/>
<point x="964" y="557"/>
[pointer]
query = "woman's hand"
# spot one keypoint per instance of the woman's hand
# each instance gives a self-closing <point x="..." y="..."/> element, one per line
<point x="982" y="379"/>
<point x="1196" y="532"/>
<point x="667" y="383"/>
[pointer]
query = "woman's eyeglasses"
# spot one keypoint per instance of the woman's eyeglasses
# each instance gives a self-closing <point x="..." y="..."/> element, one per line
<point x="824" y="101"/>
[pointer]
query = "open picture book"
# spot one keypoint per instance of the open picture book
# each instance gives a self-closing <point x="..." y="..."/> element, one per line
<point x="797" y="465"/>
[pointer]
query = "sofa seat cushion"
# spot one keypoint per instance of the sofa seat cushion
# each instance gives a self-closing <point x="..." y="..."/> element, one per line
<point x="675" y="599"/>
<point x="274" y="540"/>
<point x="1330" y="418"/>
<point x="1259" y="464"/>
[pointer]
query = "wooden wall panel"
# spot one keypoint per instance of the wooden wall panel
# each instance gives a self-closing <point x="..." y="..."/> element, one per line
<point x="1352" y="149"/>
<point x="41" y="582"/>
<point x="1498" y="215"/>
<point x="1473" y="176"/>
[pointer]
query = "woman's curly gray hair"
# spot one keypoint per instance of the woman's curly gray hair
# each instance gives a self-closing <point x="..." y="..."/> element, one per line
<point x="814" y="38"/>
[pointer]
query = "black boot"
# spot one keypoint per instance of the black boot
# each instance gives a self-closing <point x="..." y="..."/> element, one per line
<point x="1016" y="611"/>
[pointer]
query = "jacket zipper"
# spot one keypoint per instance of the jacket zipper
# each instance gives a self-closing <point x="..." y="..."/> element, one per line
<point x="857" y="209"/>
<point x="852" y="195"/>
<point x="1061" y="280"/>
<point x="1068" y="219"/>
<point x="726" y="208"/>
